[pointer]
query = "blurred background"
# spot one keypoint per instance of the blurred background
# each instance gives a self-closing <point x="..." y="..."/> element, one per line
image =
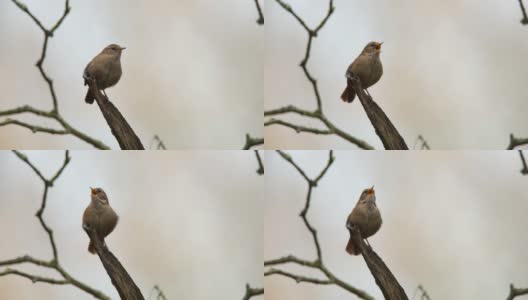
<point x="454" y="222"/>
<point x="454" y="71"/>
<point x="190" y="222"/>
<point x="192" y="70"/>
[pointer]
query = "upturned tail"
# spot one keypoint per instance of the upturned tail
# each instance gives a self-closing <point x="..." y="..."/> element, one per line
<point x="351" y="248"/>
<point x="91" y="248"/>
<point x="348" y="95"/>
<point x="89" y="97"/>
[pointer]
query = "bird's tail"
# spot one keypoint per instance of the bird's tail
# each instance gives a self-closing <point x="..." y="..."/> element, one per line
<point x="351" y="248"/>
<point x="91" y="247"/>
<point x="89" y="97"/>
<point x="348" y="95"/>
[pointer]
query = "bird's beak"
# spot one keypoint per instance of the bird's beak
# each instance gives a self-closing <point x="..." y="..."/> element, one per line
<point x="123" y="48"/>
<point x="378" y="46"/>
<point x="93" y="190"/>
<point x="371" y="190"/>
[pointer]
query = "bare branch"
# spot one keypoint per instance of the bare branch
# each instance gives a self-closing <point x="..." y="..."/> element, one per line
<point x="122" y="131"/>
<point x="524" y="19"/>
<point x="386" y="131"/>
<point x="515" y="142"/>
<point x="260" y="19"/>
<point x="298" y="278"/>
<point x="514" y="292"/>
<point x="251" y="292"/>
<point x="320" y="116"/>
<point x="317" y="263"/>
<point x="54" y="262"/>
<point x="424" y="296"/>
<point x="388" y="284"/>
<point x="124" y="284"/>
<point x="252" y="142"/>
<point x="524" y="170"/>
<point x="318" y="112"/>
<point x="54" y="112"/>
<point x="297" y="128"/>
<point x="420" y="140"/>
<point x="260" y="170"/>
<point x="158" y="143"/>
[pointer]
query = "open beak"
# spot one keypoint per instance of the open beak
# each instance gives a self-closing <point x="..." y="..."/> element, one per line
<point x="93" y="190"/>
<point x="371" y="190"/>
<point x="378" y="46"/>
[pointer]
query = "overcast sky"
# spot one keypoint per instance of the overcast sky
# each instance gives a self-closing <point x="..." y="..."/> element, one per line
<point x="454" y="222"/>
<point x="454" y="71"/>
<point x="192" y="70"/>
<point x="190" y="222"/>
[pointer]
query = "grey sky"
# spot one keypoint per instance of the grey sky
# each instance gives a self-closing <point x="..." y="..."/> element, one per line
<point x="454" y="71"/>
<point x="453" y="221"/>
<point x="190" y="222"/>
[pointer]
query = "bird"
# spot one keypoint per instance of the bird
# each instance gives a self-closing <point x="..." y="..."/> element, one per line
<point x="367" y="66"/>
<point x="366" y="216"/>
<point x="99" y="216"/>
<point x="105" y="68"/>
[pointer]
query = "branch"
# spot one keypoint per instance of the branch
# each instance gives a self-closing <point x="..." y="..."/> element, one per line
<point x="319" y="116"/>
<point x="318" y="112"/>
<point x="515" y="142"/>
<point x="524" y="19"/>
<point x="123" y="283"/>
<point x="250" y="292"/>
<point x="524" y="170"/>
<point x="388" y="134"/>
<point x="252" y="142"/>
<point x="260" y="170"/>
<point x="260" y="19"/>
<point x="422" y="142"/>
<point x="388" y="284"/>
<point x="124" y="134"/>
<point x="425" y="295"/>
<point x="317" y="263"/>
<point x="514" y="292"/>
<point x="53" y="113"/>
<point x="160" y="145"/>
<point x="54" y="262"/>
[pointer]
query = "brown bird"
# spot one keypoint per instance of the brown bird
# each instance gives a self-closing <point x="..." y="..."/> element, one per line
<point x="367" y="66"/>
<point x="105" y="68"/>
<point x="366" y="217"/>
<point x="99" y="216"/>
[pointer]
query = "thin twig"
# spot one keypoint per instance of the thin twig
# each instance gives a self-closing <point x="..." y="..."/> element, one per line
<point x="514" y="292"/>
<point x="515" y="142"/>
<point x="251" y="292"/>
<point x="252" y="142"/>
<point x="260" y="170"/>
<point x="54" y="262"/>
<point x="317" y="263"/>
<point x="318" y="112"/>
<point x="524" y="19"/>
<point x="53" y="113"/>
<point x="524" y="170"/>
<point x="319" y="116"/>
<point x="260" y="19"/>
<point x="422" y="142"/>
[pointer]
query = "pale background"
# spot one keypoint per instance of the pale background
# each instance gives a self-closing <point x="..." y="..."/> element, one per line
<point x="190" y="222"/>
<point x="192" y="70"/>
<point x="454" y="71"/>
<point x="454" y="222"/>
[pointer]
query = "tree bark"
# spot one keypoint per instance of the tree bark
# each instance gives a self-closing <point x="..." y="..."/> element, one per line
<point x="388" y="284"/>
<point x="389" y="135"/>
<point x="124" y="134"/>
<point x="123" y="283"/>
